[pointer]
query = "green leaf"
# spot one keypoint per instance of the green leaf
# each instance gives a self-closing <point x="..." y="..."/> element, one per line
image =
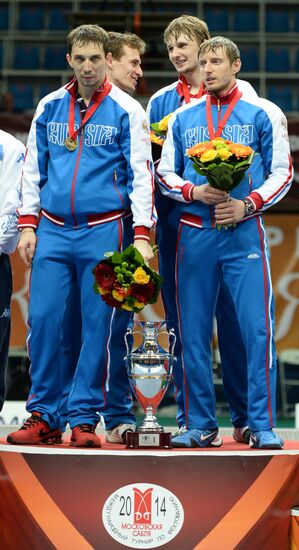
<point x="156" y="128"/>
<point x="96" y="288"/>
<point x="115" y="258"/>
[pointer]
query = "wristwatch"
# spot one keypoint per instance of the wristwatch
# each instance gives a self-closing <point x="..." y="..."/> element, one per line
<point x="249" y="207"/>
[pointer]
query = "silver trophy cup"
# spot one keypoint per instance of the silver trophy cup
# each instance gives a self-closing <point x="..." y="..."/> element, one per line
<point x="150" y="370"/>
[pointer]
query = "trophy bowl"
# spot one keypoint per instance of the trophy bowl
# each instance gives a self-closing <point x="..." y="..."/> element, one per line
<point x="149" y="369"/>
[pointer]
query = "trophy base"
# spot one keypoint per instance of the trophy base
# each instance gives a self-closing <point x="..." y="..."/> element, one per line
<point x="138" y="440"/>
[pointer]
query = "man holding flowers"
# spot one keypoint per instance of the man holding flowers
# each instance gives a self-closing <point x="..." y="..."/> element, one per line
<point x="183" y="38"/>
<point x="123" y="64"/>
<point x="88" y="160"/>
<point x="239" y="254"/>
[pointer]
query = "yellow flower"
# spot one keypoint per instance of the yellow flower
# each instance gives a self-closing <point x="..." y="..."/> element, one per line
<point x="224" y="153"/>
<point x="163" y="124"/>
<point x="208" y="156"/>
<point x="156" y="139"/>
<point x="117" y="296"/>
<point x="140" y="276"/>
<point x="126" y="307"/>
<point x="102" y="291"/>
<point x="139" y="305"/>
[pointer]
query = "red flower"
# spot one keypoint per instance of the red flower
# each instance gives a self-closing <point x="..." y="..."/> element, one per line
<point x="110" y="301"/>
<point x="142" y="293"/>
<point x="104" y="276"/>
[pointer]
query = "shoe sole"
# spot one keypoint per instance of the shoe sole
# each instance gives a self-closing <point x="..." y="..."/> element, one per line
<point x="268" y="447"/>
<point x="243" y="441"/>
<point x="48" y="441"/>
<point x="194" y="444"/>
<point x="88" y="443"/>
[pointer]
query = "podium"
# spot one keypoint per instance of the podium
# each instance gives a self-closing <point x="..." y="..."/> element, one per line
<point x="113" y="498"/>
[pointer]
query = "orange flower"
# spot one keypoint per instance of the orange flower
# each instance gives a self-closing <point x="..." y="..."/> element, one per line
<point x="156" y="139"/>
<point x="239" y="150"/>
<point x="200" y="148"/>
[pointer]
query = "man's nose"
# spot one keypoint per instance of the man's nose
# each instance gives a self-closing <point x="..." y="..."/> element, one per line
<point x="175" y="52"/>
<point x="87" y="65"/>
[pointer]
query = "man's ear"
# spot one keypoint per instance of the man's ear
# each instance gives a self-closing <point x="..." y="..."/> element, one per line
<point x="237" y="66"/>
<point x="68" y="58"/>
<point x="109" y="60"/>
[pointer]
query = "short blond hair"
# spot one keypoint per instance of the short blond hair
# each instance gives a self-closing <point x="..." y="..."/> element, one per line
<point x="225" y="44"/>
<point x="190" y="26"/>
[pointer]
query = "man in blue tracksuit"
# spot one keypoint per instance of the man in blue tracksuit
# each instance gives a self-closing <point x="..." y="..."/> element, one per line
<point x="238" y="255"/>
<point x="88" y="159"/>
<point x="124" y="70"/>
<point x="183" y="37"/>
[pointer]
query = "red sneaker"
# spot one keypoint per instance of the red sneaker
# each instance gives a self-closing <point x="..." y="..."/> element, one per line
<point x="35" y="431"/>
<point x="84" y="435"/>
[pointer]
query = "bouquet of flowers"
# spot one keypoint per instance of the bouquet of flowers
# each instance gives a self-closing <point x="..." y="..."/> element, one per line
<point x="223" y="162"/>
<point x="159" y="130"/>
<point x="125" y="281"/>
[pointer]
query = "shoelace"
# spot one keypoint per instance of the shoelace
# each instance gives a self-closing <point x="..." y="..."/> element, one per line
<point x="87" y="428"/>
<point x="31" y="421"/>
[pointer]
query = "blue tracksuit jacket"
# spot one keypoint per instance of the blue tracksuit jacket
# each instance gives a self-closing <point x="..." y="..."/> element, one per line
<point x="239" y="257"/>
<point x="83" y="195"/>
<point x="233" y="360"/>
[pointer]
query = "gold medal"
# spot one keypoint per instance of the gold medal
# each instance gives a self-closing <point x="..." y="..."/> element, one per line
<point x="71" y="143"/>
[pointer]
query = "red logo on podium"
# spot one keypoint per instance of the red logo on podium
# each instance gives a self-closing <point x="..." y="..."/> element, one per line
<point x="142" y="506"/>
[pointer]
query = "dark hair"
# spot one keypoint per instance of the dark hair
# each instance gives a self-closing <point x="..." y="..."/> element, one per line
<point x="87" y="33"/>
<point x="118" y="40"/>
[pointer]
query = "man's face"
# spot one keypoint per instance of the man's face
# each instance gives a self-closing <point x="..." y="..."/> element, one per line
<point x="183" y="53"/>
<point x="89" y="65"/>
<point x="217" y="72"/>
<point x="126" y="71"/>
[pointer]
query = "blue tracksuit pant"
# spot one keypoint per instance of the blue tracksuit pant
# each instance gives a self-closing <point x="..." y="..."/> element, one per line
<point x="233" y="359"/>
<point x="118" y="405"/>
<point x="239" y="257"/>
<point x="66" y="256"/>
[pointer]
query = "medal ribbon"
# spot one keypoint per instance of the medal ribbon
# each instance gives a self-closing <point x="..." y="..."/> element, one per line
<point x="185" y="87"/>
<point x="225" y="117"/>
<point x="98" y="98"/>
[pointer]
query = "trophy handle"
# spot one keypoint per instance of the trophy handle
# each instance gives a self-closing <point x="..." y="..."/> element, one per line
<point x="172" y="341"/>
<point x="171" y="338"/>
<point x="129" y="337"/>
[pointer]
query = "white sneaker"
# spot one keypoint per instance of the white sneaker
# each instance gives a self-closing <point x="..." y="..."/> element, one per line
<point x="118" y="434"/>
<point x="180" y="431"/>
<point x="241" y="435"/>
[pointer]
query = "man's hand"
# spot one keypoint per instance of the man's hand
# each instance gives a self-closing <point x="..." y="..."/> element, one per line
<point x="144" y="248"/>
<point x="26" y="246"/>
<point x="230" y="211"/>
<point x="208" y="195"/>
